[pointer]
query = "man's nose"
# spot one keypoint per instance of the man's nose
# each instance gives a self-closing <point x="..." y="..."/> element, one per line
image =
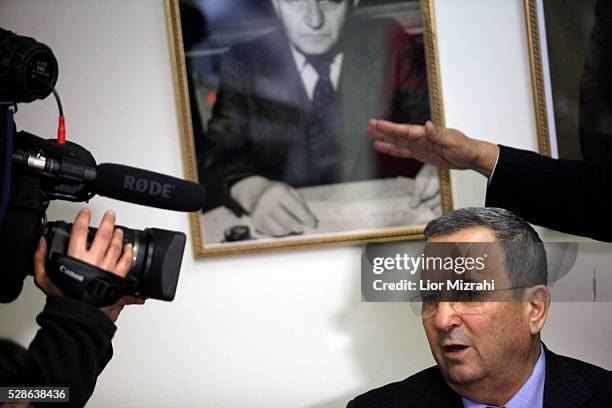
<point x="446" y="318"/>
<point x="314" y="15"/>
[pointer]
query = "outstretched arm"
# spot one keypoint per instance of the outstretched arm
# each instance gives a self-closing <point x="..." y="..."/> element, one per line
<point x="445" y="148"/>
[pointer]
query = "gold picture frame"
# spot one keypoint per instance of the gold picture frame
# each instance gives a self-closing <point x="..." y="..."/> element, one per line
<point x="186" y="126"/>
<point x="537" y="76"/>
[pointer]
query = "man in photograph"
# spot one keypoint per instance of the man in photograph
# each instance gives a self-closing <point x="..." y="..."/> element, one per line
<point x="292" y="109"/>
<point x="487" y="344"/>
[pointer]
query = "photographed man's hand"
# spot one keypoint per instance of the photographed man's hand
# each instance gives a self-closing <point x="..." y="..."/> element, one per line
<point x="276" y="208"/>
<point x="427" y="189"/>
<point x="444" y="148"/>
<point x="105" y="252"/>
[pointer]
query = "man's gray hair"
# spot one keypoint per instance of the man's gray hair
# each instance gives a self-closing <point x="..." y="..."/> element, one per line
<point x="525" y="256"/>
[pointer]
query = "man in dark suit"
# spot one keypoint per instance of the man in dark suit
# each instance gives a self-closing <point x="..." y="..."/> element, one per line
<point x="292" y="109"/>
<point x="567" y="195"/>
<point x="487" y="348"/>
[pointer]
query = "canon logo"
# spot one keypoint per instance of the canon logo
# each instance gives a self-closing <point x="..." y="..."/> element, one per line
<point x="150" y="187"/>
<point x="69" y="272"/>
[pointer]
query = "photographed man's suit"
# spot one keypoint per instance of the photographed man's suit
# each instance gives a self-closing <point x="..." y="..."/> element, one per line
<point x="569" y="383"/>
<point x="566" y="195"/>
<point x="260" y="119"/>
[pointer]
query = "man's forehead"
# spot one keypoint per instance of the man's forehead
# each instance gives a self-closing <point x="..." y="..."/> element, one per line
<point x="473" y="254"/>
<point x="471" y="234"/>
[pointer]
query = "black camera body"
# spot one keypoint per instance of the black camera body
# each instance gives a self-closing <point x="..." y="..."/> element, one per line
<point x="34" y="171"/>
<point x="157" y="259"/>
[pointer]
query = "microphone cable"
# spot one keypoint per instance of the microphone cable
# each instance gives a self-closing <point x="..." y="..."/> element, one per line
<point x="61" y="126"/>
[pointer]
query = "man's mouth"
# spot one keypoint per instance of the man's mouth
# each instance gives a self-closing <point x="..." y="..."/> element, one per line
<point x="454" y="350"/>
<point x="315" y="35"/>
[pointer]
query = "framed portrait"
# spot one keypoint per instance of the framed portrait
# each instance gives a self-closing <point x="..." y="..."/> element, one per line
<point x="571" y="72"/>
<point x="274" y="98"/>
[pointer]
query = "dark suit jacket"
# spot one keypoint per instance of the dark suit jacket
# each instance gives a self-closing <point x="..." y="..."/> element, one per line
<point x="259" y="120"/>
<point x="565" y="195"/>
<point x="569" y="383"/>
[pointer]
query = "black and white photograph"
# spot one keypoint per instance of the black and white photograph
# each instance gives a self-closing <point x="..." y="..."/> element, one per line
<point x="279" y="94"/>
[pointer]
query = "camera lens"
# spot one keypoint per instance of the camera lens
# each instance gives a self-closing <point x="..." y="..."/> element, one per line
<point x="157" y="256"/>
<point x="157" y="260"/>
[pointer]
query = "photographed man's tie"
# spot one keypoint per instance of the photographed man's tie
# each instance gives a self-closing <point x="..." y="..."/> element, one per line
<point x="323" y="130"/>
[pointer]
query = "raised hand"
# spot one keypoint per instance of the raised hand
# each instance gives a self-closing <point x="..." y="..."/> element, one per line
<point x="444" y="148"/>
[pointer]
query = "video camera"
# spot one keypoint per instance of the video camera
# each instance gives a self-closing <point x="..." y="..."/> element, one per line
<point x="34" y="171"/>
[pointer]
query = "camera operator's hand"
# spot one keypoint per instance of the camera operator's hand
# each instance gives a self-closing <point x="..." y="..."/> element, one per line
<point x="104" y="252"/>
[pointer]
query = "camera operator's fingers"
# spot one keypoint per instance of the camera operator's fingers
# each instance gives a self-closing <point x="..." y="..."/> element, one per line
<point x="102" y="239"/>
<point x="113" y="311"/>
<point x="113" y="251"/>
<point x="77" y="245"/>
<point x="123" y="266"/>
<point x="41" y="279"/>
<point x="39" y="257"/>
<point x="135" y="300"/>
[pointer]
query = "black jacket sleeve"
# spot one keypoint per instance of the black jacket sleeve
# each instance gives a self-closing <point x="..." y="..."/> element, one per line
<point x="226" y="151"/>
<point x="72" y="346"/>
<point x="566" y="195"/>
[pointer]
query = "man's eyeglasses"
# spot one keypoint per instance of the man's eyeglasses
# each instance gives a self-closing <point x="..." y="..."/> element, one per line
<point x="461" y="301"/>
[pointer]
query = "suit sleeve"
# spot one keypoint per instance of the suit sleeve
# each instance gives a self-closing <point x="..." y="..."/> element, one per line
<point x="596" y="90"/>
<point x="566" y="195"/>
<point x="225" y="157"/>
<point x="72" y="346"/>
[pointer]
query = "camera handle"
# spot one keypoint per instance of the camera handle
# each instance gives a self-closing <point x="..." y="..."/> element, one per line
<point x="86" y="282"/>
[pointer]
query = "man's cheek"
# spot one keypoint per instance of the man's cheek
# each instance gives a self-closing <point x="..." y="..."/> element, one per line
<point x="432" y="337"/>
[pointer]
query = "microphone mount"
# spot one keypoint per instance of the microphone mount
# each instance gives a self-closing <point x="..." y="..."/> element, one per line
<point x="63" y="169"/>
<point x="69" y="172"/>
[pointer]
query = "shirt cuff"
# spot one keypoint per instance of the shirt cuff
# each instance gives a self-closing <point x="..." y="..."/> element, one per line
<point x="494" y="167"/>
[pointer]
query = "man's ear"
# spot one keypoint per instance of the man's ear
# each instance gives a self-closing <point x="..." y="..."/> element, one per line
<point x="538" y="303"/>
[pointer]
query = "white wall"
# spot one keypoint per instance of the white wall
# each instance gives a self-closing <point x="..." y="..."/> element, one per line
<point x="273" y="330"/>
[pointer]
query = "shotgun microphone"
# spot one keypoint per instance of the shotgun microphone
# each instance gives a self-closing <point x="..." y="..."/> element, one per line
<point x="148" y="188"/>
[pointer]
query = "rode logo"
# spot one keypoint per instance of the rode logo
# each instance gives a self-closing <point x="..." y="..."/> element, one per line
<point x="69" y="272"/>
<point x="146" y="186"/>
